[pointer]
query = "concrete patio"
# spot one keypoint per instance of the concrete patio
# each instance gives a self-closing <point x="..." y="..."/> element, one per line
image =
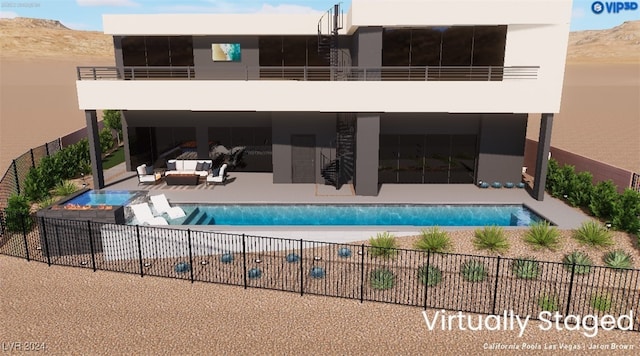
<point x="258" y="188"/>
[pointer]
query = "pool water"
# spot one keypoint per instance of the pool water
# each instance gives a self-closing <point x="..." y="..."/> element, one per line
<point x="106" y="197"/>
<point x="357" y="215"/>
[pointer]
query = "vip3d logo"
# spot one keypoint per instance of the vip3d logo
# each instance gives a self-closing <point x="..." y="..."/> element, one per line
<point x="614" y="7"/>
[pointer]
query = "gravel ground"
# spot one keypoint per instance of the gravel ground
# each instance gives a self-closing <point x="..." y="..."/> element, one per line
<point x="77" y="311"/>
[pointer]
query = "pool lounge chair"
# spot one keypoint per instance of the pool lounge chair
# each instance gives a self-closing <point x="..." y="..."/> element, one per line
<point x="161" y="204"/>
<point x="144" y="216"/>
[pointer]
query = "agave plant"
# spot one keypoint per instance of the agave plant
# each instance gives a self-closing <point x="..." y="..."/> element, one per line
<point x="430" y="275"/>
<point x="581" y="261"/>
<point x="474" y="271"/>
<point x="618" y="259"/>
<point x="526" y="268"/>
<point x="491" y="238"/>
<point x="543" y="235"/>
<point x="549" y="302"/>
<point x="601" y="302"/>
<point x="382" y="279"/>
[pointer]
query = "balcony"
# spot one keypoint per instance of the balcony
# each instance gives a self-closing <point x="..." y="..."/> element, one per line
<point x="427" y="73"/>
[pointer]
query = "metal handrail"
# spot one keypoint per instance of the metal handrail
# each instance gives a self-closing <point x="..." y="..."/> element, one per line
<point x="324" y="73"/>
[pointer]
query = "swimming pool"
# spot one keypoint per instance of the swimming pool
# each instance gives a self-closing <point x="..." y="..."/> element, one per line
<point x="105" y="197"/>
<point x="357" y="215"/>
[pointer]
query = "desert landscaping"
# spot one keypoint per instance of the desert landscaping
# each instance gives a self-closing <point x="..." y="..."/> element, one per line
<point x="77" y="311"/>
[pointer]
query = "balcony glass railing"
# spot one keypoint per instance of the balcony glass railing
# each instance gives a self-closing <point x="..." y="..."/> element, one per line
<point x="429" y="73"/>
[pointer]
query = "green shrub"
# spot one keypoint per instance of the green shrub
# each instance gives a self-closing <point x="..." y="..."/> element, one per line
<point x="549" y="302"/>
<point x="555" y="178"/>
<point x="491" y="238"/>
<point x="46" y="202"/>
<point x="601" y="302"/>
<point x="65" y="188"/>
<point x="543" y="235"/>
<point x="603" y="200"/>
<point x="382" y="279"/>
<point x="106" y="140"/>
<point x="581" y="261"/>
<point x="474" y="271"/>
<point x="36" y="185"/>
<point x="430" y="275"/>
<point x="433" y="240"/>
<point x="526" y="268"/>
<point x="112" y="120"/>
<point x="594" y="234"/>
<point x="580" y="189"/>
<point x="384" y="245"/>
<point x="626" y="212"/>
<point x="618" y="259"/>
<point x="17" y="214"/>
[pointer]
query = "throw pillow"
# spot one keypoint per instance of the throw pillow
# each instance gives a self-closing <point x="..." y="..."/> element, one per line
<point x="149" y="169"/>
<point x="215" y="172"/>
<point x="171" y="166"/>
<point x="206" y="166"/>
<point x="199" y="166"/>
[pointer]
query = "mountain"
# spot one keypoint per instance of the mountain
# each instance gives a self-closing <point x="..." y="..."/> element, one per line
<point x="28" y="38"/>
<point x="620" y="44"/>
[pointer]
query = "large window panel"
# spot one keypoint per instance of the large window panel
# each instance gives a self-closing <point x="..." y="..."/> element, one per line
<point x="181" y="49"/>
<point x="158" y="51"/>
<point x="315" y="59"/>
<point x="133" y="51"/>
<point x="396" y="45"/>
<point x="456" y="46"/>
<point x="489" y="45"/>
<point x="437" y="149"/>
<point x="270" y="51"/>
<point x="410" y="159"/>
<point x="294" y="51"/>
<point x="463" y="158"/>
<point x="425" y="47"/>
<point x="388" y="159"/>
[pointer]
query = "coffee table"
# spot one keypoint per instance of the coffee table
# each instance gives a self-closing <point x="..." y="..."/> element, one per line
<point x="182" y="179"/>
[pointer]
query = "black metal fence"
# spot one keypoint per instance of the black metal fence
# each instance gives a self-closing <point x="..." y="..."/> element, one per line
<point x="477" y="284"/>
<point x="13" y="180"/>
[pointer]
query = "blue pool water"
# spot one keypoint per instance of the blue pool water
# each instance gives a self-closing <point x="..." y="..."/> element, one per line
<point x="107" y="197"/>
<point x="355" y="215"/>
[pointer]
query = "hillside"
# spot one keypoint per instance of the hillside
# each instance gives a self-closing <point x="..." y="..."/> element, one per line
<point x="620" y="44"/>
<point x="27" y="38"/>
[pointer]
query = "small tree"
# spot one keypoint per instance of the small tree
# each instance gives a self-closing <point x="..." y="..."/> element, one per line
<point x="113" y="121"/>
<point x="106" y="140"/>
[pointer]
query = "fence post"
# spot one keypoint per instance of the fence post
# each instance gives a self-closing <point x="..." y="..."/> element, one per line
<point x="301" y="271"/>
<point x="426" y="282"/>
<point x="15" y="174"/>
<point x="33" y="160"/>
<point x="244" y="260"/>
<point x="46" y="147"/>
<point x="573" y="272"/>
<point x="46" y="242"/>
<point x="139" y="250"/>
<point x="361" y="273"/>
<point x="24" y="235"/>
<point x="93" y="252"/>
<point x="495" y="288"/>
<point x="190" y="254"/>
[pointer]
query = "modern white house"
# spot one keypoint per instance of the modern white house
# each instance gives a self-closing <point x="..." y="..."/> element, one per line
<point x="386" y="92"/>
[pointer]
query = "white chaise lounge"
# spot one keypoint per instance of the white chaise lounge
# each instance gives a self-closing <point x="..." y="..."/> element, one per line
<point x="144" y="216"/>
<point x="161" y="204"/>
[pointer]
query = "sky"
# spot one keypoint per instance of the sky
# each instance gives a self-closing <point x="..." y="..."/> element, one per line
<point x="87" y="14"/>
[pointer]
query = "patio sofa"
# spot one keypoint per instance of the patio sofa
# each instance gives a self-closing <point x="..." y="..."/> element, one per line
<point x="200" y="167"/>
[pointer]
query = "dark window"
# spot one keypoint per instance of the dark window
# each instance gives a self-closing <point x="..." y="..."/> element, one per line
<point x="133" y="51"/>
<point x="489" y="45"/>
<point x="270" y="51"/>
<point x="294" y="51"/>
<point x="181" y="50"/>
<point x="313" y="57"/>
<point x="425" y="47"/>
<point x="396" y="46"/>
<point x="456" y="46"/>
<point x="158" y="51"/>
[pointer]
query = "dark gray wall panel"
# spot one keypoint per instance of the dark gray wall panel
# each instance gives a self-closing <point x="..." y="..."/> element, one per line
<point x="367" y="141"/>
<point x="323" y="126"/>
<point x="501" y="151"/>
<point x="367" y="47"/>
<point x="169" y="118"/>
<point x="117" y="48"/>
<point x="431" y="124"/>
<point x="206" y="68"/>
